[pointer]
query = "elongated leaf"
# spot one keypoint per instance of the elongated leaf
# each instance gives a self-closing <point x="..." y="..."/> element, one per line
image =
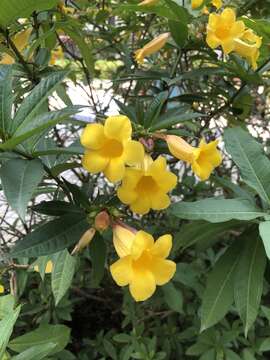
<point x="57" y="334"/>
<point x="248" y="155"/>
<point x="62" y="275"/>
<point x="173" y="297"/>
<point x="155" y="108"/>
<point x="248" y="284"/>
<point x="32" y="103"/>
<point x="6" y="327"/>
<point x="201" y="232"/>
<point x="5" y="98"/>
<point x="52" y="237"/>
<point x="166" y="123"/>
<point x="37" y="352"/>
<point x="12" y="9"/>
<point x="218" y="296"/>
<point x="19" y="189"/>
<point x="7" y="304"/>
<point x="56" y="208"/>
<point x="98" y="252"/>
<point x="216" y="210"/>
<point x="264" y="229"/>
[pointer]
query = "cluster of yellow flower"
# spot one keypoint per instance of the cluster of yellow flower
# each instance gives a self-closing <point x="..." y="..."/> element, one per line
<point x="222" y="30"/>
<point x="145" y="184"/>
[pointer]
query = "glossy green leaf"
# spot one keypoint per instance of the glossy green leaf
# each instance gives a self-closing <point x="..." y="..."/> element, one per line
<point x="57" y="334"/>
<point x="56" y="208"/>
<point x="216" y="210"/>
<point x="173" y="297"/>
<point x="19" y="189"/>
<point x="218" y="295"/>
<point x="51" y="237"/>
<point x="37" y="352"/>
<point x="248" y="284"/>
<point x="62" y="274"/>
<point x="6" y="98"/>
<point x="98" y="252"/>
<point x="6" y="328"/>
<point x="248" y="155"/>
<point x="264" y="229"/>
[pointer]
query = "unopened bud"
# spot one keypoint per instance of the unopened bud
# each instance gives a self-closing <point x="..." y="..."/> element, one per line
<point x="123" y="236"/>
<point x="102" y="221"/>
<point x="84" y="240"/>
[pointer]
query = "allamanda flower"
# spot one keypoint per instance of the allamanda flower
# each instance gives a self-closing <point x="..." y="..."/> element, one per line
<point x="223" y="30"/>
<point x="142" y="264"/>
<point x="2" y="289"/>
<point x="109" y="147"/>
<point x="146" y="187"/>
<point x="203" y="159"/>
<point x="151" y="47"/>
<point x="248" y="47"/>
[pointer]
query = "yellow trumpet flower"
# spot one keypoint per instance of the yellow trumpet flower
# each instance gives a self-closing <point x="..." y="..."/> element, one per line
<point x="223" y="29"/>
<point x="142" y="264"/>
<point x="146" y="187"/>
<point x="152" y="47"/>
<point x="203" y="159"/>
<point x="109" y="148"/>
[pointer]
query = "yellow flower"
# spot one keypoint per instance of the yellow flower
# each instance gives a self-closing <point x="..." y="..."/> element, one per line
<point x="203" y="159"/>
<point x="109" y="147"/>
<point x="248" y="47"/>
<point x="223" y="29"/>
<point x="56" y="55"/>
<point x="217" y="3"/>
<point x="20" y="40"/>
<point x="84" y="240"/>
<point x="143" y="264"/>
<point x="151" y="47"/>
<point x="48" y="269"/>
<point x="146" y="187"/>
<point x="196" y="3"/>
<point x="2" y="289"/>
<point x="148" y="2"/>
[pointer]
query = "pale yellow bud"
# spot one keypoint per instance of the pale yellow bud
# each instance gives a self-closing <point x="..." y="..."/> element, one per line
<point x="84" y="240"/>
<point x="179" y="148"/>
<point x="148" y="2"/>
<point x="152" y="47"/>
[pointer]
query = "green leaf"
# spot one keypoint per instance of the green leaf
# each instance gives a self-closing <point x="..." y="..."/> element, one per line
<point x="6" y="327"/>
<point x="179" y="31"/>
<point x="57" y="334"/>
<point x="36" y="352"/>
<point x="248" y="155"/>
<point x="12" y="9"/>
<point x="215" y="210"/>
<point x="264" y="229"/>
<point x="52" y="237"/>
<point x="201" y="232"/>
<point x="7" y="304"/>
<point x="248" y="284"/>
<point x="173" y="297"/>
<point x="62" y="274"/>
<point x="19" y="189"/>
<point x="56" y="208"/>
<point x="98" y="251"/>
<point x="155" y="107"/>
<point x="218" y="295"/>
<point x="166" y="123"/>
<point x="32" y="103"/>
<point x="6" y="98"/>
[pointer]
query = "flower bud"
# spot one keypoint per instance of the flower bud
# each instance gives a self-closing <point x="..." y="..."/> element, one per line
<point x="102" y="221"/>
<point x="84" y="240"/>
<point x="179" y="148"/>
<point x="148" y="2"/>
<point x="123" y="236"/>
<point x="152" y="47"/>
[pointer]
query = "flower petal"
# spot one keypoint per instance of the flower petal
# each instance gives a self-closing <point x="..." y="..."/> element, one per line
<point x="228" y="15"/>
<point x="142" y="205"/>
<point x="228" y="46"/>
<point x="122" y="271"/>
<point x="141" y="242"/>
<point x="93" y="136"/>
<point x="122" y="240"/>
<point x="126" y="195"/>
<point x="115" y="169"/>
<point x="143" y="285"/>
<point x="93" y="162"/>
<point x="212" y="40"/>
<point x="118" y="128"/>
<point x="162" y="246"/>
<point x="238" y="29"/>
<point x="160" y="201"/>
<point x="133" y="152"/>
<point x="163" y="270"/>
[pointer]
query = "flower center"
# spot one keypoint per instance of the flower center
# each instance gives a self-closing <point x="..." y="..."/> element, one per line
<point x="223" y="31"/>
<point x="112" y="148"/>
<point x="146" y="184"/>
